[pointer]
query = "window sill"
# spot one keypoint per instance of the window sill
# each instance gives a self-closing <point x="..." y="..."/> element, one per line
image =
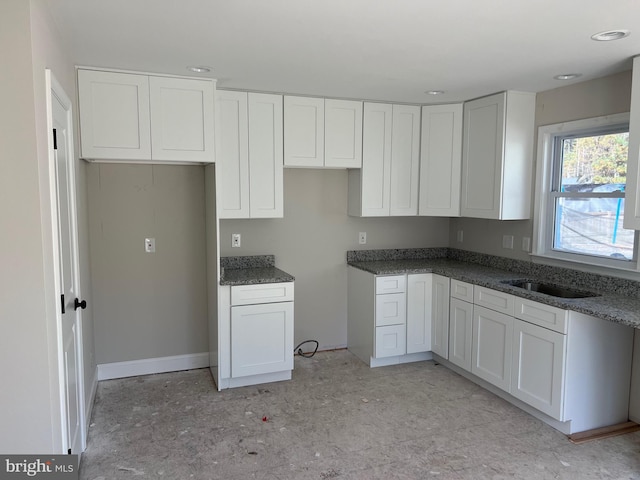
<point x="627" y="270"/>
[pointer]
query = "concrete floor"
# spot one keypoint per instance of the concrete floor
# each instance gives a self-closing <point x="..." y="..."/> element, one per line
<point x="335" y="419"/>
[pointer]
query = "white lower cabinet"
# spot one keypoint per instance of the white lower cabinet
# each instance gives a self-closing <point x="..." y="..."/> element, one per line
<point x="419" y="312"/>
<point x="460" y="333"/>
<point x="491" y="352"/>
<point x="440" y="319"/>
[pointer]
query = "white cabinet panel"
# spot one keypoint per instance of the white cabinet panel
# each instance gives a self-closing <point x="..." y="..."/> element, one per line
<point x="262" y="293"/>
<point x="492" y="342"/>
<point x="499" y="301"/>
<point x="462" y="290"/>
<point x="114" y="115"/>
<point x="460" y="333"/>
<point x="440" y="316"/>
<point x="232" y="154"/>
<point x="181" y="119"/>
<point x="541" y="314"/>
<point x="440" y="160"/>
<point x="632" y="190"/>
<point x="405" y="160"/>
<point x="391" y="309"/>
<point x="390" y="284"/>
<point x="497" y="152"/>
<point x="539" y="367"/>
<point x="265" y="156"/>
<point x="343" y="133"/>
<point x="390" y="341"/>
<point x="419" y="296"/>
<point x="261" y="339"/>
<point x="303" y="131"/>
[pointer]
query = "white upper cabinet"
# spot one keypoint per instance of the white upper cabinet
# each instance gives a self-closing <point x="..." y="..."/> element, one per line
<point x="440" y="160"/>
<point x="387" y="184"/>
<point x="143" y="118"/>
<point x="632" y="190"/>
<point x="303" y="131"/>
<point x="114" y="115"/>
<point x="322" y="132"/>
<point x="342" y="133"/>
<point x="497" y="152"/>
<point x="249" y="155"/>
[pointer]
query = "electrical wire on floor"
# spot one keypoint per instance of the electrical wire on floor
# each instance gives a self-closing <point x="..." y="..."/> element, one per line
<point x="299" y="351"/>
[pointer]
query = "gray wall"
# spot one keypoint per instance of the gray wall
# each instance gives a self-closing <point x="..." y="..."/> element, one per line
<point x="594" y="98"/>
<point x="147" y="305"/>
<point x="311" y="241"/>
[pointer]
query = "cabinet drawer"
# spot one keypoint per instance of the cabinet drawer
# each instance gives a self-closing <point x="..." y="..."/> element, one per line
<point x="498" y="301"/>
<point x="553" y="318"/>
<point x="462" y="290"/>
<point x="390" y="341"/>
<point x="262" y="293"/>
<point x="390" y="284"/>
<point x="391" y="309"/>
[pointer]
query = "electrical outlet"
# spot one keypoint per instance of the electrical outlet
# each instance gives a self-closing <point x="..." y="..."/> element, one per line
<point x="526" y="244"/>
<point x="507" y="241"/>
<point x="362" y="238"/>
<point x="150" y="245"/>
<point x="460" y="236"/>
<point x="235" y="240"/>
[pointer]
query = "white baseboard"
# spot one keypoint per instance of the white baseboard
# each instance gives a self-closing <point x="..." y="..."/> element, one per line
<point x="147" y="366"/>
<point x="92" y="398"/>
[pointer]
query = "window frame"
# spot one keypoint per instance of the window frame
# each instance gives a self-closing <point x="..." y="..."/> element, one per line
<point x="548" y="173"/>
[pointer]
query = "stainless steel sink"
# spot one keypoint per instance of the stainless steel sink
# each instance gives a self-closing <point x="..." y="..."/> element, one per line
<point x="550" y="289"/>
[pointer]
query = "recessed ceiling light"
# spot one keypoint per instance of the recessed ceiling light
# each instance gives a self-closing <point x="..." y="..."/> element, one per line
<point x="199" y="69"/>
<point x="567" y="76"/>
<point x="434" y="92"/>
<point x="610" y="35"/>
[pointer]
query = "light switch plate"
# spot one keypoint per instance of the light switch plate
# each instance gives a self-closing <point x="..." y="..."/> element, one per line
<point x="507" y="241"/>
<point x="362" y="238"/>
<point x="235" y="240"/>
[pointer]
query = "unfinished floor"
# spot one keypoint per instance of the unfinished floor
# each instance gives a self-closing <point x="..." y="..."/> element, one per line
<point x="336" y="418"/>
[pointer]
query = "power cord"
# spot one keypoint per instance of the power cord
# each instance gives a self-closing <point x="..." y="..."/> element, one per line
<point x="299" y="351"/>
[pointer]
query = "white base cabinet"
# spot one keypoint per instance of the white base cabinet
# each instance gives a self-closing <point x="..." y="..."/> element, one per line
<point x="460" y="333"/>
<point x="255" y="334"/>
<point x="440" y="321"/>
<point x="491" y="351"/>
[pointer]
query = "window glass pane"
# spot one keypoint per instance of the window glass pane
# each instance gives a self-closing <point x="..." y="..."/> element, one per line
<point x="594" y="163"/>
<point x="592" y="226"/>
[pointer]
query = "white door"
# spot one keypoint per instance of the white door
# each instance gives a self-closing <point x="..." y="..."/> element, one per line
<point x="492" y="342"/>
<point x="419" y="295"/>
<point x="460" y="333"/>
<point x="71" y="305"/>
<point x="440" y="316"/>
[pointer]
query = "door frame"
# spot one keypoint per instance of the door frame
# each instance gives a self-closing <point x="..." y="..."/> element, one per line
<point x="54" y="89"/>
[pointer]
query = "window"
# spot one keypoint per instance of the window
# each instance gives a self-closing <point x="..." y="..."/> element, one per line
<point x="580" y="194"/>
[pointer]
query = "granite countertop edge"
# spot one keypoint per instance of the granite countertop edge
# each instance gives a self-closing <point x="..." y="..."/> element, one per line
<point x="254" y="276"/>
<point x="606" y="306"/>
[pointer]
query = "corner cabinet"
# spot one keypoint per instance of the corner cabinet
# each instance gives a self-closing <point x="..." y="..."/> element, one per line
<point x="440" y="160"/>
<point x="387" y="183"/>
<point x="145" y="118"/>
<point x="249" y="153"/>
<point x="497" y="156"/>
<point x="632" y="190"/>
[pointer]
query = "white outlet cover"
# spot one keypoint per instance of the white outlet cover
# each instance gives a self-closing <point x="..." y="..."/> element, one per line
<point x="236" y="239"/>
<point x="507" y="242"/>
<point x="362" y="238"/>
<point x="150" y="245"/>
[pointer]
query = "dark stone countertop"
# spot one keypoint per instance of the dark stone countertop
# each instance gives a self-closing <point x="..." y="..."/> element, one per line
<point x="607" y="306"/>
<point x="251" y="270"/>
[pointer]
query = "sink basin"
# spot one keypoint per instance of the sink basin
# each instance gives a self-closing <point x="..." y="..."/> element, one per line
<point x="550" y="289"/>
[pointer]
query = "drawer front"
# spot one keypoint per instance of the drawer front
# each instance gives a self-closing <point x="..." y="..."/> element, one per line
<point x="462" y="290"/>
<point x="390" y="284"/>
<point x="494" y="300"/>
<point x="391" y="309"/>
<point x="262" y="293"/>
<point x="390" y="341"/>
<point x="546" y="316"/>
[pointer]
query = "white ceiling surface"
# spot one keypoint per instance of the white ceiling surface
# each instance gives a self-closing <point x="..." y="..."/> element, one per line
<point x="391" y="50"/>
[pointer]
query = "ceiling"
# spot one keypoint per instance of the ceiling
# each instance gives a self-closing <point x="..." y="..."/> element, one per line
<point x="391" y="50"/>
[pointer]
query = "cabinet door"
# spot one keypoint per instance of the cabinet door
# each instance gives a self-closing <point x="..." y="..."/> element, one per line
<point x="265" y="156"/>
<point x="391" y="309"/>
<point x="376" y="160"/>
<point x="537" y="376"/>
<point x="261" y="339"/>
<point x="405" y="160"/>
<point x="303" y="132"/>
<point x="632" y="193"/>
<point x="181" y="119"/>
<point x="114" y="115"/>
<point x="460" y="333"/>
<point x="482" y="153"/>
<point x="419" y="295"/>
<point x="492" y="342"/>
<point x="390" y="341"/>
<point x="440" y="316"/>
<point x="440" y="160"/>
<point x="232" y="154"/>
<point x="342" y="133"/>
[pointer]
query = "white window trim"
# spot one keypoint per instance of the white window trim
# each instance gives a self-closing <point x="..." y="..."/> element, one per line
<point x="543" y="213"/>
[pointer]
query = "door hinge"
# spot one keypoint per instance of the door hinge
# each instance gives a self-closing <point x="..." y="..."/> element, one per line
<point x="62" y="303"/>
<point x="55" y="140"/>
